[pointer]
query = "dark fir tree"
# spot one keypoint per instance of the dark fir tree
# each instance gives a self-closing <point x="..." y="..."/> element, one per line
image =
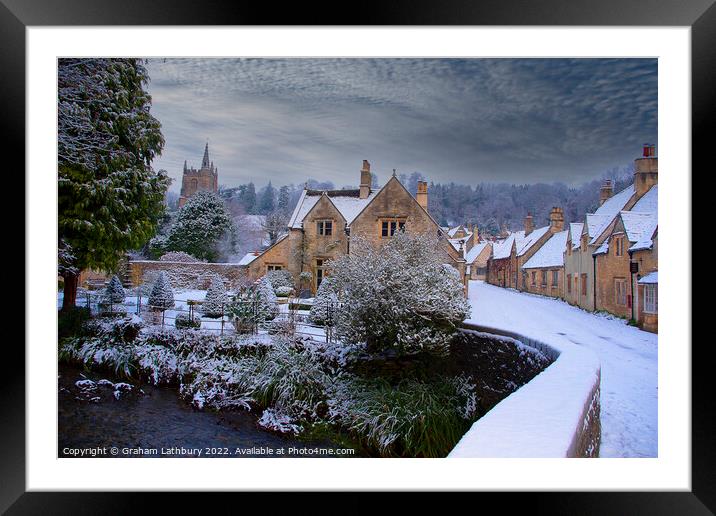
<point x="268" y="200"/>
<point x="110" y="200"/>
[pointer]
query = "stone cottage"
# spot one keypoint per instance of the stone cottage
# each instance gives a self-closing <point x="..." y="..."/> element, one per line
<point x="323" y="223"/>
<point x="580" y="260"/>
<point x="628" y="253"/>
<point x="506" y="267"/>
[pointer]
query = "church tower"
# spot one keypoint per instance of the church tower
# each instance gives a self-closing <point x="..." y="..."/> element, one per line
<point x="206" y="179"/>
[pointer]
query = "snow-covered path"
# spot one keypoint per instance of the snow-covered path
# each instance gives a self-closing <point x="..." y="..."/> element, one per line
<point x="628" y="357"/>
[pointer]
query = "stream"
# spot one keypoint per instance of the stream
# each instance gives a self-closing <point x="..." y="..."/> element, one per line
<point x="104" y="417"/>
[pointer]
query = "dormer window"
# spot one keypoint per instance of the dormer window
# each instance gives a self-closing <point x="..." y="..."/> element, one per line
<point x="619" y="246"/>
<point x="390" y="226"/>
<point x="325" y="227"/>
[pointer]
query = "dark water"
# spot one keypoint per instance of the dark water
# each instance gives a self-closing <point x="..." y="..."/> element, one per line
<point x="159" y="424"/>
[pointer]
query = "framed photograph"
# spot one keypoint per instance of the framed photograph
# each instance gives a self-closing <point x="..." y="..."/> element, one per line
<point x="424" y="238"/>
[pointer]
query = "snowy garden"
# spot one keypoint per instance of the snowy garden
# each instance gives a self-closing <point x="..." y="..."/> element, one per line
<point x="375" y="362"/>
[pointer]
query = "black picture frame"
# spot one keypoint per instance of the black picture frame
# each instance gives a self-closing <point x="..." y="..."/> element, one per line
<point x="700" y="15"/>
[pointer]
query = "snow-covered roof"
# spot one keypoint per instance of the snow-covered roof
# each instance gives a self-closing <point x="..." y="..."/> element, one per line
<point x="650" y="279"/>
<point x="649" y="202"/>
<point x="551" y="254"/>
<point x="456" y="241"/>
<point x="607" y="212"/>
<point x="475" y="251"/>
<point x="346" y="202"/>
<point x="602" y="249"/>
<point x="594" y="222"/>
<point x="248" y="258"/>
<point x="502" y="249"/>
<point x="524" y="243"/>
<point x="575" y="229"/>
<point x="639" y="226"/>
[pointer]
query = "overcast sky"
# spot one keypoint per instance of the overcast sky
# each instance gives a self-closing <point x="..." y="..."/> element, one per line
<point x="460" y="120"/>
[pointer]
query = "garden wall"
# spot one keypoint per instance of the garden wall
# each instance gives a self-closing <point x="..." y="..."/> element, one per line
<point x="185" y="274"/>
<point x="554" y="415"/>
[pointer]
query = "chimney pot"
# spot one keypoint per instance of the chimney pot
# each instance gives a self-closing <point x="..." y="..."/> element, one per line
<point x="556" y="220"/>
<point x="606" y="191"/>
<point x="422" y="194"/>
<point x="365" y="180"/>
<point x="529" y="224"/>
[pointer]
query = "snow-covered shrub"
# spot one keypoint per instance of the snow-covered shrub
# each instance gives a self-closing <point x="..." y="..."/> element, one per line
<point x="178" y="256"/>
<point x="252" y="304"/>
<point x="162" y="295"/>
<point x="114" y="292"/>
<point x="410" y="419"/>
<point x="325" y="304"/>
<point x="268" y="298"/>
<point x="157" y="246"/>
<point x="280" y="279"/>
<point x="105" y="343"/>
<point x="284" y="291"/>
<point x="184" y="321"/>
<point x="201" y="223"/>
<point x="243" y="309"/>
<point x="215" y="300"/>
<point x="398" y="296"/>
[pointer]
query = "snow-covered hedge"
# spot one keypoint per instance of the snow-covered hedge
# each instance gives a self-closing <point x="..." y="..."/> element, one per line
<point x="179" y="256"/>
<point x="184" y="320"/>
<point x="398" y="296"/>
<point x="280" y="279"/>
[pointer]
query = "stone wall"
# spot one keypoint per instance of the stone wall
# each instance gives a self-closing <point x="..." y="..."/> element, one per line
<point x="557" y="414"/>
<point x="545" y="289"/>
<point x="186" y="274"/>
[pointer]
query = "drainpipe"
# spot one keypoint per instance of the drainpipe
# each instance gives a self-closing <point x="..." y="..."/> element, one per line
<point x="631" y="285"/>
<point x="594" y="281"/>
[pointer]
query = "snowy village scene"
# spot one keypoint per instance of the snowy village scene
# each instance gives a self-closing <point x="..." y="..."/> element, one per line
<point x="360" y="257"/>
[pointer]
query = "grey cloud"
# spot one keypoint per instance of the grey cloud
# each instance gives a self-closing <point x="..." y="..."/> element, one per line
<point x="467" y="120"/>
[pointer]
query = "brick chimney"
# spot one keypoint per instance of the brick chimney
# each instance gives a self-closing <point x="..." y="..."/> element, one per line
<point x="646" y="170"/>
<point x="422" y="195"/>
<point x="606" y="191"/>
<point x="556" y="220"/>
<point x="529" y="224"/>
<point x="365" y="180"/>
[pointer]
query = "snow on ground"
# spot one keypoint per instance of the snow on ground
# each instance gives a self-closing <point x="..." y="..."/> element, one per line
<point x="628" y="358"/>
<point x="181" y="297"/>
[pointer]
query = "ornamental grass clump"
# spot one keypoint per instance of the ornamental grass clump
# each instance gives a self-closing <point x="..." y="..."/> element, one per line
<point x="408" y="419"/>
